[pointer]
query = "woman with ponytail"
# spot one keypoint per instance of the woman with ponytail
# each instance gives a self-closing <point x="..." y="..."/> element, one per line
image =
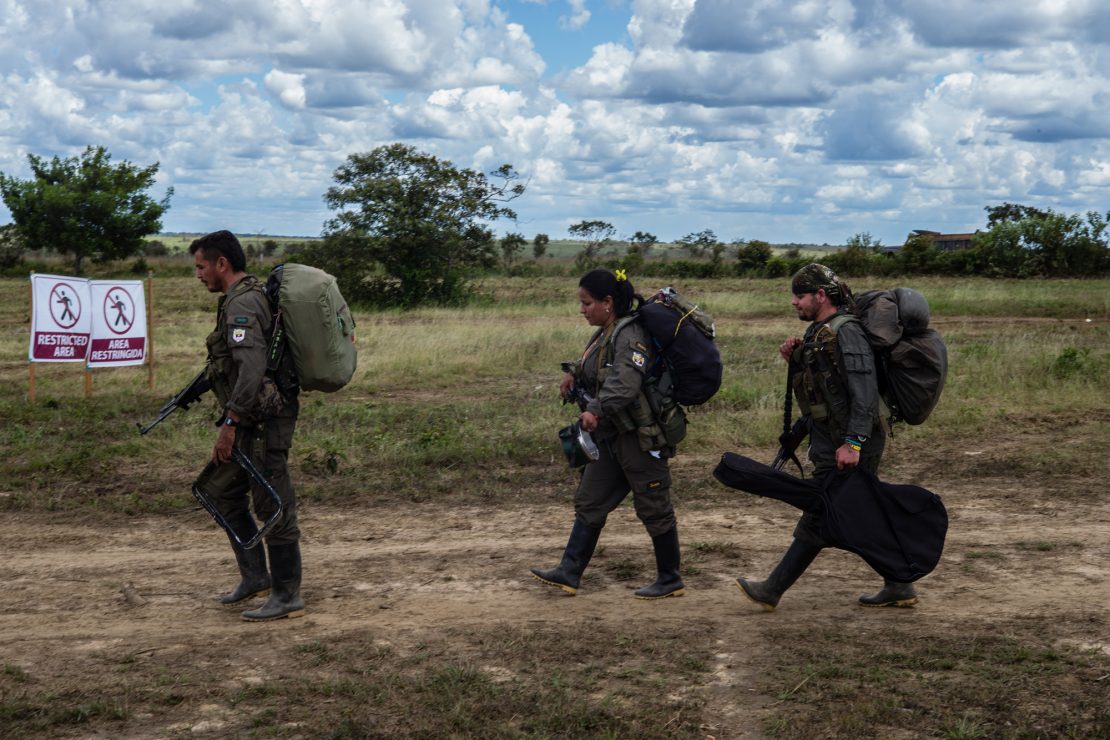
<point x="611" y="372"/>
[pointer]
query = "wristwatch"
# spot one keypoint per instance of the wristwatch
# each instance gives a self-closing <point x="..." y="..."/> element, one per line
<point x="229" y="422"/>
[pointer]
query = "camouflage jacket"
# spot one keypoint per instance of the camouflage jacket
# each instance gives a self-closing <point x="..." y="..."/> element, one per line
<point x="238" y="348"/>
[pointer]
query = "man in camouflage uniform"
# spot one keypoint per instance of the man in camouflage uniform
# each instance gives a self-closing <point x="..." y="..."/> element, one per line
<point x="836" y="384"/>
<point x="259" y="415"/>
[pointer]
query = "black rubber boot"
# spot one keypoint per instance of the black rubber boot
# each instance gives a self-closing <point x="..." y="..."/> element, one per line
<point x="285" y="598"/>
<point x="667" y="559"/>
<point x="893" y="594"/>
<point x="580" y="548"/>
<point x="794" y="562"/>
<point x="254" y="578"/>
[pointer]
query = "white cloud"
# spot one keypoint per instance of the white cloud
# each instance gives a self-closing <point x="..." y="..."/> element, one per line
<point x="755" y="26"/>
<point x="288" y="88"/>
<point x="1000" y="23"/>
<point x="782" y="120"/>
<point x="579" y="15"/>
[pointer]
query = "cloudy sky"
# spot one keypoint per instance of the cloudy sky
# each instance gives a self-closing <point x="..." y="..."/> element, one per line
<point x="789" y="121"/>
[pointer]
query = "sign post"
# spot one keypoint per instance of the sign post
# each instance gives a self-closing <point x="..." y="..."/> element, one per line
<point x="150" y="331"/>
<point x="31" y="365"/>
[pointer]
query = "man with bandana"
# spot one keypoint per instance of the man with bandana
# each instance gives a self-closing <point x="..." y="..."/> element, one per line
<point x="836" y="385"/>
<point x="259" y="415"/>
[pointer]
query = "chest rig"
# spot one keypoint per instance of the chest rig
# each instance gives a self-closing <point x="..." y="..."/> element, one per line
<point x="820" y="387"/>
<point x="658" y="420"/>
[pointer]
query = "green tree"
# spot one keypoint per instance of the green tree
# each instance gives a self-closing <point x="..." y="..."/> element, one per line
<point x="411" y="227"/>
<point x="641" y="243"/>
<point x="716" y="257"/>
<point x="752" y="257"/>
<point x="11" y="247"/>
<point x="539" y="245"/>
<point x="1011" y="212"/>
<point x="155" y="248"/>
<point x="918" y="255"/>
<point x="597" y="234"/>
<point x="698" y="243"/>
<point x="1043" y="243"/>
<point x="1066" y="245"/>
<point x="511" y="246"/>
<point x="855" y="259"/>
<point x="999" y="252"/>
<point x="85" y="206"/>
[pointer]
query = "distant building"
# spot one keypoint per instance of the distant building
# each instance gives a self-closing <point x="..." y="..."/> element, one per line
<point x="942" y="242"/>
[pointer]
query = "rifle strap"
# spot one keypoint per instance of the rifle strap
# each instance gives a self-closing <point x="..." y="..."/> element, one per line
<point x="788" y="404"/>
<point x="787" y="414"/>
<point x="279" y="345"/>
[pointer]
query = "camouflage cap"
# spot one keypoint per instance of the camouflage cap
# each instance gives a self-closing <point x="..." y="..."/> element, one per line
<point x="814" y="277"/>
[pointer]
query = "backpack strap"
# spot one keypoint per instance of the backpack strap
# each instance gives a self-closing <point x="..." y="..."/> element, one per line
<point x="840" y="320"/>
<point x="885" y="416"/>
<point x="606" y="357"/>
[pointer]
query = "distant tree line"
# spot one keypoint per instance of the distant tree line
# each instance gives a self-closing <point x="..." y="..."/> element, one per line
<point x="1019" y="242"/>
<point x="410" y="229"/>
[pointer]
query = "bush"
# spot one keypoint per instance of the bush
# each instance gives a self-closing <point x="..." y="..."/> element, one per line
<point x="11" y="248"/>
<point x="752" y="258"/>
<point x="155" y="248"/>
<point x="780" y="267"/>
<point x="685" y="269"/>
<point x="1075" y="362"/>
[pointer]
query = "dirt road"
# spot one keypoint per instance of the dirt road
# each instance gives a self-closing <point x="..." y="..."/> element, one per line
<point x="400" y="575"/>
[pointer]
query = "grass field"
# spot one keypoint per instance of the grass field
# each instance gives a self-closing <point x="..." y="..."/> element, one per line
<point x="431" y="380"/>
<point x="447" y="437"/>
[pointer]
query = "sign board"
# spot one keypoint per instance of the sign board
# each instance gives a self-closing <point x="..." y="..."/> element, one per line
<point x="119" y="336"/>
<point x="61" y="319"/>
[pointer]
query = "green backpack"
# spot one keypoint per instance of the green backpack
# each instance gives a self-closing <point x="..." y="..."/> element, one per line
<point x="312" y="321"/>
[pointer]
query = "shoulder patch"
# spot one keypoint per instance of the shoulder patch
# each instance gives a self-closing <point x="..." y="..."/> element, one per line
<point x="641" y="346"/>
<point x="242" y="320"/>
<point x="638" y="359"/>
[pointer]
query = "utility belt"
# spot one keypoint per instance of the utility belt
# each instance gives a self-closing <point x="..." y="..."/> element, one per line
<point x="658" y="420"/>
<point x="267" y="404"/>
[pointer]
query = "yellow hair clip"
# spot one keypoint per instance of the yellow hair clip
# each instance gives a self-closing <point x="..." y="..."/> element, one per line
<point x="621" y="275"/>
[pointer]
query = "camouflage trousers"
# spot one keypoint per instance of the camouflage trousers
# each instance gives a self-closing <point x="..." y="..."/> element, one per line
<point x="623" y="467"/>
<point x="233" y="492"/>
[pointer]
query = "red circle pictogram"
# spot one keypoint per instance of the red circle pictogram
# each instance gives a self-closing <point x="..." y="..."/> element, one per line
<point x="120" y="300"/>
<point x="65" y="305"/>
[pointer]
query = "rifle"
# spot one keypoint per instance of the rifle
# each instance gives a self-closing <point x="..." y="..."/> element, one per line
<point x="792" y="434"/>
<point x="245" y="463"/>
<point x="579" y="396"/>
<point x="789" y="441"/>
<point x="184" y="398"/>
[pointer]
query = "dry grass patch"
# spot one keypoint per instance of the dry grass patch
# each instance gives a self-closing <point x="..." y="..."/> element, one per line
<point x="970" y="680"/>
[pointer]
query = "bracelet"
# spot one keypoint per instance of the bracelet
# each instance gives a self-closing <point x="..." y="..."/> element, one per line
<point x="853" y="443"/>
